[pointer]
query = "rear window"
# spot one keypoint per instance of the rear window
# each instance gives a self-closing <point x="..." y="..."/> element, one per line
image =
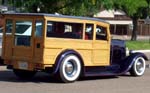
<point x="23" y="32"/>
<point x="23" y="27"/>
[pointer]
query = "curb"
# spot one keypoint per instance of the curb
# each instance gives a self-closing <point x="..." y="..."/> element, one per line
<point x="143" y="51"/>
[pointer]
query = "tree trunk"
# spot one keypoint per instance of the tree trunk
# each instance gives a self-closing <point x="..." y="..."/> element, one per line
<point x="135" y="29"/>
<point x="4" y="2"/>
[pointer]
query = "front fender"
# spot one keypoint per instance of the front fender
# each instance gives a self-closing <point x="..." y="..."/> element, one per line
<point x="128" y="62"/>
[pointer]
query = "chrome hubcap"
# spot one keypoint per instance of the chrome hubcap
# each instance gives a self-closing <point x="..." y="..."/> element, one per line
<point x="70" y="68"/>
<point x="140" y="66"/>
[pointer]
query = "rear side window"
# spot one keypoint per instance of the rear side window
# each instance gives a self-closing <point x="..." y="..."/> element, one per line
<point x="9" y="26"/>
<point x="64" y="30"/>
<point x="89" y="32"/>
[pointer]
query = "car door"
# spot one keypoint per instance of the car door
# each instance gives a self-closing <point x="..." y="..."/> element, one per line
<point x="7" y="39"/>
<point x="101" y="45"/>
<point x="38" y="41"/>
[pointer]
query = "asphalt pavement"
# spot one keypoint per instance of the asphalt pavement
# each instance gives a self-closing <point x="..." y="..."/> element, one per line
<point x="43" y="83"/>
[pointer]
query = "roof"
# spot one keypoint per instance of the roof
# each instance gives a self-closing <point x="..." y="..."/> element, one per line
<point x="109" y="13"/>
<point x="60" y="16"/>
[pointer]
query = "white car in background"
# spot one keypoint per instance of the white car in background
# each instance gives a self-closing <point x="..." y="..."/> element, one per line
<point x="1" y="36"/>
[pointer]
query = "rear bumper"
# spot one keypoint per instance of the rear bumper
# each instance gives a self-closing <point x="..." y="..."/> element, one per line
<point x="24" y="65"/>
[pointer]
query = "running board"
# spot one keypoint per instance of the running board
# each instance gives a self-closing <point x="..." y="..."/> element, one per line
<point x="112" y="70"/>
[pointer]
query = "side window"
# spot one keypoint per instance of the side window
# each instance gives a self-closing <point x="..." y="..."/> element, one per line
<point x="9" y="26"/>
<point x="39" y="28"/>
<point x="73" y="30"/>
<point x="49" y="27"/>
<point x="64" y="30"/>
<point x="50" y="30"/>
<point x="89" y="32"/>
<point x="101" y="33"/>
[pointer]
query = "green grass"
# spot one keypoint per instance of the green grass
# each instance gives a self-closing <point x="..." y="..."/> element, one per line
<point x="138" y="45"/>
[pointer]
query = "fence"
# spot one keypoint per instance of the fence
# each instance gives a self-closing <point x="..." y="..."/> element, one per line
<point x="143" y="30"/>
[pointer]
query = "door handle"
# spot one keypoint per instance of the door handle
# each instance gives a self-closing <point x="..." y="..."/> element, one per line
<point x="38" y="45"/>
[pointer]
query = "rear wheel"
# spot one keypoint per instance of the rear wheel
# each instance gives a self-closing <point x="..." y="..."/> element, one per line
<point x="70" y="69"/>
<point x="24" y="74"/>
<point x="138" y="67"/>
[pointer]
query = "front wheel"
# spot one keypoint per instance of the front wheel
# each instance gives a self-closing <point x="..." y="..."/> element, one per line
<point x="24" y="74"/>
<point x="70" y="68"/>
<point x="138" y="67"/>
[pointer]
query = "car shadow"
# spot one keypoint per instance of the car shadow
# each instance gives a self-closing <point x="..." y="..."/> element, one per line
<point x="127" y="75"/>
<point x="93" y="78"/>
<point x="41" y="77"/>
<point x="9" y="76"/>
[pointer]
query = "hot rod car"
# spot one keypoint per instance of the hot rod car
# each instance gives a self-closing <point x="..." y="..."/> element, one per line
<point x="66" y="46"/>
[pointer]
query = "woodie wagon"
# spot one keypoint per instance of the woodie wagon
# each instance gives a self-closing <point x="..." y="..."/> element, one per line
<point x="66" y="46"/>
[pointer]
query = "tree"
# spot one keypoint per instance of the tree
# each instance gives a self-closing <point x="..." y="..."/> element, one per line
<point x="134" y="9"/>
<point x="67" y="7"/>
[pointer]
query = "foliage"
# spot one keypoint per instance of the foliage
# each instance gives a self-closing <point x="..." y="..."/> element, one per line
<point x="131" y="7"/>
<point x="68" y="7"/>
<point x="134" y="9"/>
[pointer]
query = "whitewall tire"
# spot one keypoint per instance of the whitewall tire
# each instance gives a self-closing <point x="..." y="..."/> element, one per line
<point x="138" y="67"/>
<point x="70" y="69"/>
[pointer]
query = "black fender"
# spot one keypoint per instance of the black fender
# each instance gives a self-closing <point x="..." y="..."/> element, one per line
<point x="128" y="62"/>
<point x="61" y="56"/>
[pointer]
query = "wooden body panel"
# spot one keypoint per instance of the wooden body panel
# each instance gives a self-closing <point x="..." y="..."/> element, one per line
<point x="7" y="47"/>
<point x="38" y="50"/>
<point x="92" y="53"/>
<point x="100" y="52"/>
<point x="53" y="48"/>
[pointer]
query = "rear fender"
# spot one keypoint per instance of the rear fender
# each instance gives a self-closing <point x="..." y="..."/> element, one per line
<point x="61" y="57"/>
<point x="128" y="62"/>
